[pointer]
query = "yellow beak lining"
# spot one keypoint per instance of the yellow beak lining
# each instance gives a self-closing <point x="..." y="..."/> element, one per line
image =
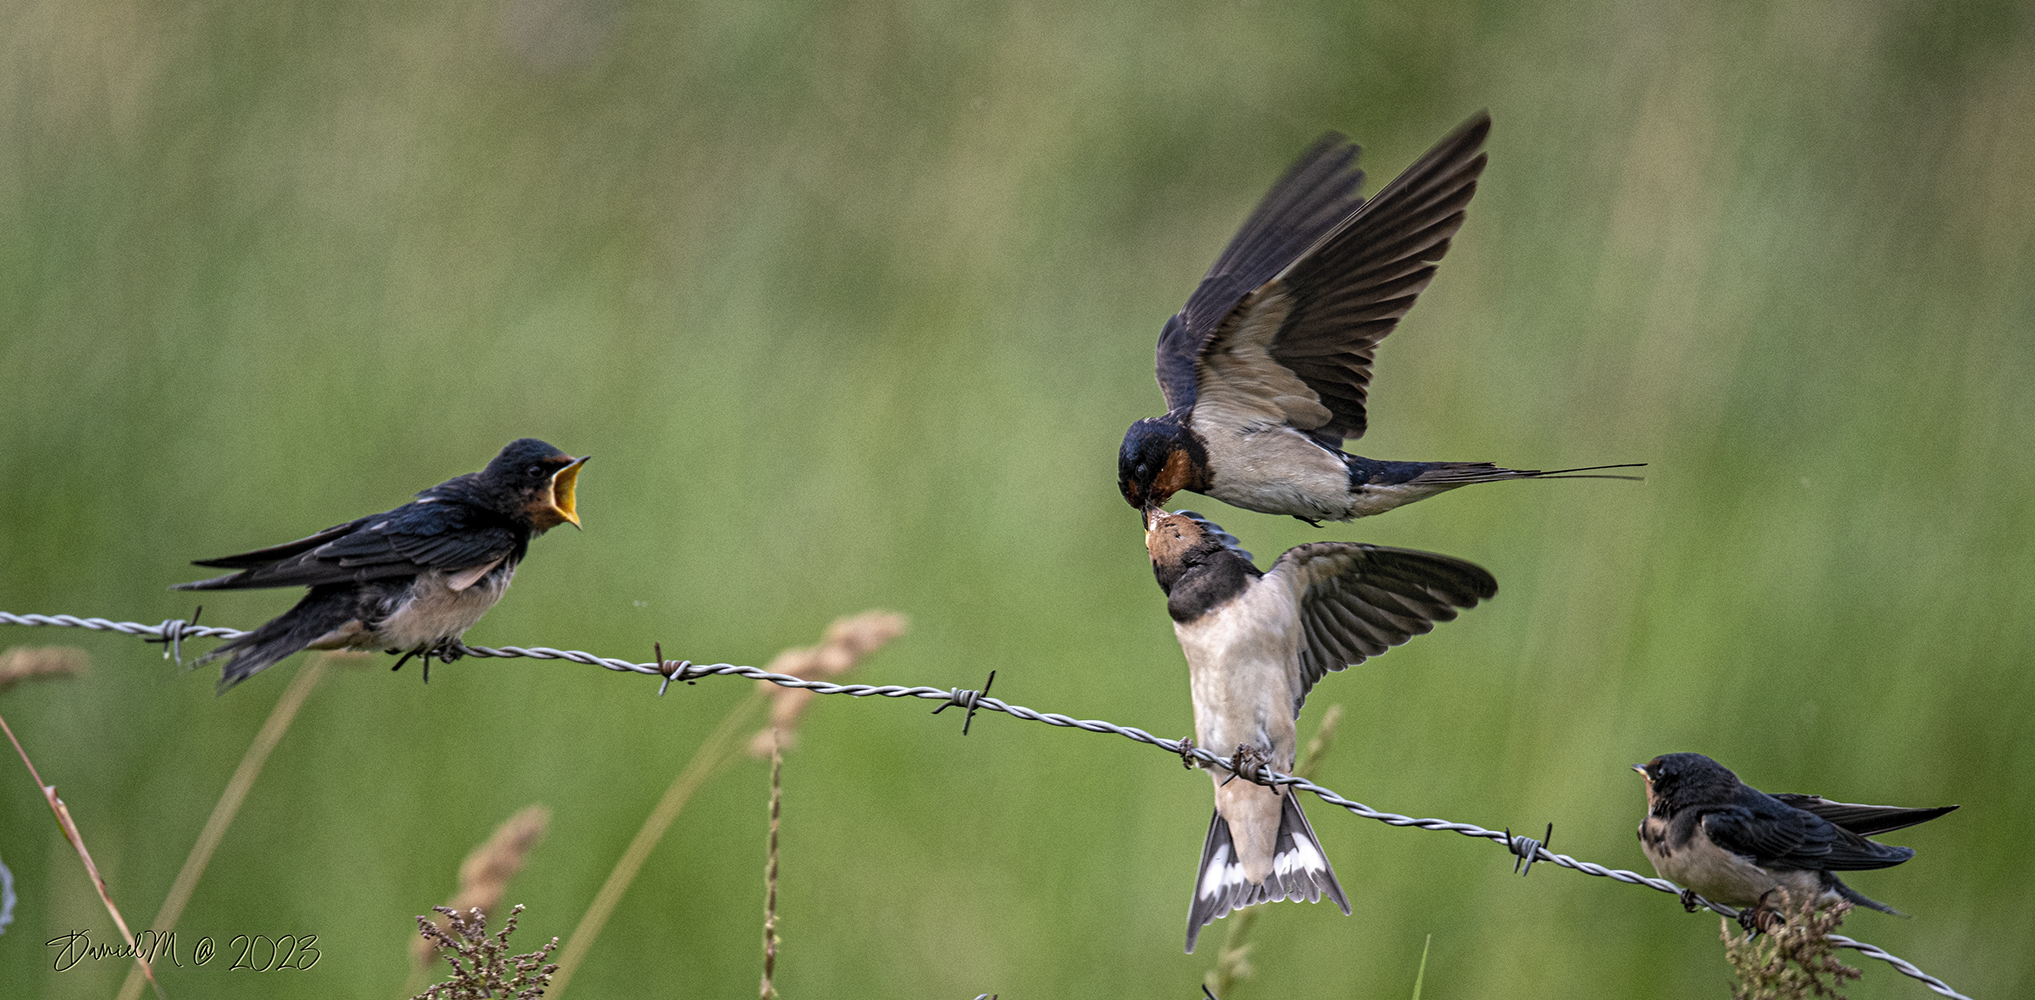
<point x="562" y="483"/>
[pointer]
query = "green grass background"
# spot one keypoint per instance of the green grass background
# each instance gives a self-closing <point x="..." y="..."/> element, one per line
<point x="851" y="303"/>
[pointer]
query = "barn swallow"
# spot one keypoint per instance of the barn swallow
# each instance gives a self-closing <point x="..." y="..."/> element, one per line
<point x="1256" y="642"/>
<point x="1734" y="844"/>
<point x="409" y="580"/>
<point x="1266" y="367"/>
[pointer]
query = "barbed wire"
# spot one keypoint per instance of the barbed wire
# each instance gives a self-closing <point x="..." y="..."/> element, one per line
<point x="172" y="632"/>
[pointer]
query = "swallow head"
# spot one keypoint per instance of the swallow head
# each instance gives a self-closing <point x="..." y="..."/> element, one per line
<point x="1160" y="457"/>
<point x="539" y="479"/>
<point x="1182" y="541"/>
<point x="1675" y="779"/>
<point x="1176" y="544"/>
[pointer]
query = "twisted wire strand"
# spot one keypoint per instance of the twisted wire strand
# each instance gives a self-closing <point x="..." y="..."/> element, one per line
<point x="173" y="631"/>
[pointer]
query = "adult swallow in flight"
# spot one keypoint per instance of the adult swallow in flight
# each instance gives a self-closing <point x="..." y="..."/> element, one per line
<point x="1734" y="844"/>
<point x="1256" y="642"/>
<point x="1265" y="369"/>
<point x="410" y="580"/>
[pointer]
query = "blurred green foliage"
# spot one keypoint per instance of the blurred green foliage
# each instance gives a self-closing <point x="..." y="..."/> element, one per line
<point x="851" y="303"/>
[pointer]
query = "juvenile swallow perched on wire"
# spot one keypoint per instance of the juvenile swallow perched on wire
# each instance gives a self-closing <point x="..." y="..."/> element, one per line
<point x="1256" y="642"/>
<point x="409" y="580"/>
<point x="1265" y="369"/>
<point x="1734" y="844"/>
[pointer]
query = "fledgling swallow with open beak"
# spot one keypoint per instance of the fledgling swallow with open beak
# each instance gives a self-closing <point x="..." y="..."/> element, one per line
<point x="1734" y="844"/>
<point x="1265" y="369"/>
<point x="1256" y="642"/>
<point x="410" y="580"/>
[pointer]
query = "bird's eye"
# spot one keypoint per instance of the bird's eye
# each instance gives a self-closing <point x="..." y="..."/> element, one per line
<point x="536" y="470"/>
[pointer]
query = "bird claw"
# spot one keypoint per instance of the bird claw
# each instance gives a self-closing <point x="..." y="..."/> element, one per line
<point x="1760" y="918"/>
<point x="1689" y="904"/>
<point x="1247" y="762"/>
<point x="445" y="651"/>
<point x="1187" y="759"/>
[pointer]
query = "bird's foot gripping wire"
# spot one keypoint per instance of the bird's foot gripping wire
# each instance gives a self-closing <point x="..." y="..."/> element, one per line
<point x="1249" y="762"/>
<point x="1187" y="759"/>
<point x="1760" y="918"/>
<point x="1689" y="901"/>
<point x="445" y="651"/>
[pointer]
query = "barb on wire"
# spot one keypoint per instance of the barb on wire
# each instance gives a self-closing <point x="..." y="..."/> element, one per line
<point x="689" y="672"/>
<point x="968" y="699"/>
<point x="1527" y="848"/>
<point x="172" y="637"/>
<point x="668" y="668"/>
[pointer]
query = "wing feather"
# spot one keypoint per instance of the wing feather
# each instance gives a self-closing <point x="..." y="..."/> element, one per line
<point x="275" y="553"/>
<point x="1295" y="343"/>
<point x="1316" y="193"/>
<point x="1358" y="600"/>
<point x="1864" y="820"/>
<point x="1777" y="835"/>
<point x="411" y="539"/>
<point x="1351" y="290"/>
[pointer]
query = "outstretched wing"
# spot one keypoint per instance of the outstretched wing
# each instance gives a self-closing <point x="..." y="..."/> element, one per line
<point x="1355" y="601"/>
<point x="1317" y="192"/>
<point x="1777" y="835"/>
<point x="403" y="542"/>
<point x="1298" y="347"/>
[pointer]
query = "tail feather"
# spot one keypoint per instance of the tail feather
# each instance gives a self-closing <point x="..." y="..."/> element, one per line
<point x="1297" y="855"/>
<point x="1300" y="871"/>
<point x="231" y="581"/>
<point x="320" y="612"/>
<point x="1465" y="473"/>
<point x="1858" y="898"/>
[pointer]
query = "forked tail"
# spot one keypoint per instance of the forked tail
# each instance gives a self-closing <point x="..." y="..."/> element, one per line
<point x="1300" y="871"/>
<point x="320" y="612"/>
<point x="1465" y="473"/>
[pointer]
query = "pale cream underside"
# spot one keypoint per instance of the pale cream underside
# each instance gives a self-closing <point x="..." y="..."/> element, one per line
<point x="1721" y="876"/>
<point x="435" y="611"/>
<point x="1241" y="664"/>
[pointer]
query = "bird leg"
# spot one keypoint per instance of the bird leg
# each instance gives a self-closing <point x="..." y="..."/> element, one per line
<point x="447" y="650"/>
<point x="444" y="651"/>
<point x="406" y="658"/>
<point x="1689" y="904"/>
